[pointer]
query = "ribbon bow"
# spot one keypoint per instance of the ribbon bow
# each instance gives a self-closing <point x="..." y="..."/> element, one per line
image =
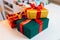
<point x="40" y="6"/>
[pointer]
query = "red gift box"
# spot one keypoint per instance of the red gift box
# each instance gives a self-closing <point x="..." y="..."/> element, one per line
<point x="12" y="18"/>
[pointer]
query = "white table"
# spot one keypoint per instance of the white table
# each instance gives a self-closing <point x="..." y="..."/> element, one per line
<point x="51" y="33"/>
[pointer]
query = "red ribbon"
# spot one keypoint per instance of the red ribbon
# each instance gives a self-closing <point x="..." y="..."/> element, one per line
<point x="40" y="22"/>
<point x="38" y="14"/>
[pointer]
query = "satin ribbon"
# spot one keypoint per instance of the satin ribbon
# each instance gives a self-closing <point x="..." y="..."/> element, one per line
<point x="40" y="22"/>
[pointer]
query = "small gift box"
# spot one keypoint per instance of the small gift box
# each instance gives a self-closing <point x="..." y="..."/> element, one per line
<point x="30" y="28"/>
<point x="36" y="12"/>
<point x="12" y="18"/>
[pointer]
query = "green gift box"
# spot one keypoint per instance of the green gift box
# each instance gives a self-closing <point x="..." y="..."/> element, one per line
<point x="32" y="28"/>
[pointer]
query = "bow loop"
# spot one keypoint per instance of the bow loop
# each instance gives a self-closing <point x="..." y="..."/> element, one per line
<point x="40" y="6"/>
<point x="32" y="5"/>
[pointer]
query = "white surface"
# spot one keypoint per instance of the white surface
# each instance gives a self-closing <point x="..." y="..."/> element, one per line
<point x="51" y="33"/>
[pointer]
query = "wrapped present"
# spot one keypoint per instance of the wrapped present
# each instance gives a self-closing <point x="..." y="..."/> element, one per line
<point x="12" y="18"/>
<point x="36" y="12"/>
<point x="30" y="28"/>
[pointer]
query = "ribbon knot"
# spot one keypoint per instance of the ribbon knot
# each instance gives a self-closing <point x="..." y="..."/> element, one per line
<point x="40" y="6"/>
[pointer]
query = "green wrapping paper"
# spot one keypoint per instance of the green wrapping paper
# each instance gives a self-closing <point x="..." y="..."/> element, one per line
<point x="32" y="28"/>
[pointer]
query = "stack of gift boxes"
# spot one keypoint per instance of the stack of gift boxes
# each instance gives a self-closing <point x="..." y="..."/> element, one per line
<point x="31" y="21"/>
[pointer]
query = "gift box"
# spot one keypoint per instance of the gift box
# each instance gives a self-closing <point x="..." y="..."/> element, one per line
<point x="33" y="13"/>
<point x="30" y="28"/>
<point x="36" y="12"/>
<point x="12" y="19"/>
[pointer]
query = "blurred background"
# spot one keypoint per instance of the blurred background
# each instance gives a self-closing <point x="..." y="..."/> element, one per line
<point x="12" y="6"/>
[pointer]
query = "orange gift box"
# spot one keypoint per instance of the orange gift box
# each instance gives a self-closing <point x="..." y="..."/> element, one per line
<point x="12" y="18"/>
